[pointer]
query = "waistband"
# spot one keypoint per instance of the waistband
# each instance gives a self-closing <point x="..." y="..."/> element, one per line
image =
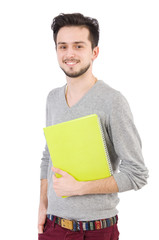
<point x="86" y="225"/>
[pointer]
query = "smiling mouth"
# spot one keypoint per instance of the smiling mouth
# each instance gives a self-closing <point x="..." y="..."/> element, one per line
<point x="71" y="62"/>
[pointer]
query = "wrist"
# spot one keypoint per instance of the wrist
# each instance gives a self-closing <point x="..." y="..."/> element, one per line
<point x="83" y="186"/>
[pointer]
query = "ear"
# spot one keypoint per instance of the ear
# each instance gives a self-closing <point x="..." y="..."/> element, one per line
<point x="95" y="53"/>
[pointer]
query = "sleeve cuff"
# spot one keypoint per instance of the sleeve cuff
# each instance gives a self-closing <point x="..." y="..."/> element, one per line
<point x="123" y="182"/>
<point x="43" y="173"/>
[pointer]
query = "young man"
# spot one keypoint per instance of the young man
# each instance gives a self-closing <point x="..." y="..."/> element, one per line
<point x="90" y="210"/>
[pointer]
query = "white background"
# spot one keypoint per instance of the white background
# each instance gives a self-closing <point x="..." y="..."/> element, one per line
<point x="128" y="61"/>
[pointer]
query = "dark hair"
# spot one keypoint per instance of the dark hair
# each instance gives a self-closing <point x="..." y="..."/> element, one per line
<point x="76" y="19"/>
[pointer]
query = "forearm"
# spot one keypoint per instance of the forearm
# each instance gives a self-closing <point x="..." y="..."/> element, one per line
<point x="43" y="195"/>
<point x="102" y="186"/>
<point x="69" y="186"/>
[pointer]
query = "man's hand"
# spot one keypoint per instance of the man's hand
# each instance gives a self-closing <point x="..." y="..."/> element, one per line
<point x="41" y="220"/>
<point x="65" y="185"/>
<point x="42" y="206"/>
<point x="69" y="186"/>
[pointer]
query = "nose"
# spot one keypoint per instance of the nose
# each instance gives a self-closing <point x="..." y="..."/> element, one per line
<point x="70" y="52"/>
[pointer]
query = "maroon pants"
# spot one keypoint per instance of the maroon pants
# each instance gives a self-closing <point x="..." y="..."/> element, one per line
<point x="53" y="231"/>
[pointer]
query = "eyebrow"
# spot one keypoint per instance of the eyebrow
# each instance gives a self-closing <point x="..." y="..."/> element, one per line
<point x="76" y="42"/>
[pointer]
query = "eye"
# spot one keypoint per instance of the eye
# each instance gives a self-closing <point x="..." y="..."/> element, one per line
<point x="63" y="47"/>
<point x="79" y="46"/>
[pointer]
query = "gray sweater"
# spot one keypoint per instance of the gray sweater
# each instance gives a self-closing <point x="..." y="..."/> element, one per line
<point x="124" y="146"/>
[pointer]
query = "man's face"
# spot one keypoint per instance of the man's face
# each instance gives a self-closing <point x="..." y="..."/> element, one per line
<point x="74" y="51"/>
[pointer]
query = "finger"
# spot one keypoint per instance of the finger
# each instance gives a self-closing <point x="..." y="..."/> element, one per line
<point x="59" y="171"/>
<point x="40" y="228"/>
<point x="54" y="178"/>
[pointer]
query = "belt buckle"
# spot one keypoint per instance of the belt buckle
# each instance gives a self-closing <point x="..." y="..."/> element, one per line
<point x="67" y="224"/>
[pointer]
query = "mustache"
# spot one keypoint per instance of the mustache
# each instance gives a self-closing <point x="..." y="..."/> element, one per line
<point x="70" y="60"/>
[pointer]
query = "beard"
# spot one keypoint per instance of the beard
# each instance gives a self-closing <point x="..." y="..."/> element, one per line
<point x="77" y="73"/>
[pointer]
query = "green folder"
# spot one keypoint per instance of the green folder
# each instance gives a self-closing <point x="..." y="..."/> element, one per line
<point x="78" y="147"/>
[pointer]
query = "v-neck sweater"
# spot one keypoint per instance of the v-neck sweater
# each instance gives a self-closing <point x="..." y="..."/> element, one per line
<point x="123" y="142"/>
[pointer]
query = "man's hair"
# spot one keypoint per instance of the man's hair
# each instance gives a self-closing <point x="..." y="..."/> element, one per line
<point x="76" y="19"/>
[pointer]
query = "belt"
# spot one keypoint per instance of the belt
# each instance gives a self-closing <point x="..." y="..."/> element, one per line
<point x="86" y="225"/>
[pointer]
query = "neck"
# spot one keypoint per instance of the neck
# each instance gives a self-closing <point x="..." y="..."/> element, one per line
<point x="78" y="86"/>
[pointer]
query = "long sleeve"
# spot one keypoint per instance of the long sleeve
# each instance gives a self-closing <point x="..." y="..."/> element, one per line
<point x="44" y="163"/>
<point x="46" y="155"/>
<point x="132" y="173"/>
